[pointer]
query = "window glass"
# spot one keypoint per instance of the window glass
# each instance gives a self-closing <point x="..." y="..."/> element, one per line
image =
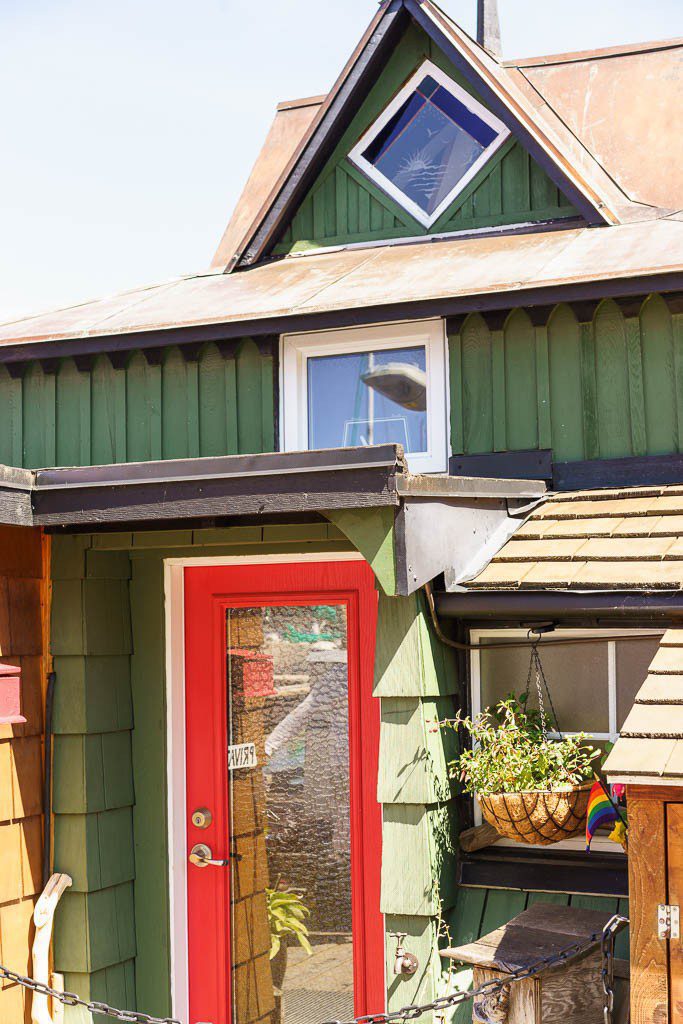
<point x="363" y="398"/>
<point x="633" y="661"/>
<point x="577" y="678"/>
<point x="429" y="144"/>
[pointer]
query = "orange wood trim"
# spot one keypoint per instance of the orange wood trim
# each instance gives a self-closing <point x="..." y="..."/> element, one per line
<point x="647" y="888"/>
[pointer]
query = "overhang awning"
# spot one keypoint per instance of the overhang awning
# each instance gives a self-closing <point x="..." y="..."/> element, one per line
<point x="410" y="528"/>
<point x="605" y="540"/>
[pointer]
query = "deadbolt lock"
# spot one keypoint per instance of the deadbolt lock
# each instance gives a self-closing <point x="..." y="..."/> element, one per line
<point x="202" y="817"/>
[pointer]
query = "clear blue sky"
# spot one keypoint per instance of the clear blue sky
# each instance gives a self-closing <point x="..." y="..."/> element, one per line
<point x="129" y="128"/>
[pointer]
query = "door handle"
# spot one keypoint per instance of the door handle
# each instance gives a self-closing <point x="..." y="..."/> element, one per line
<point x="202" y="857"/>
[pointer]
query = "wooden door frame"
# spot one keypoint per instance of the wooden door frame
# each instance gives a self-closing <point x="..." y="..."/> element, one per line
<point x="174" y="599"/>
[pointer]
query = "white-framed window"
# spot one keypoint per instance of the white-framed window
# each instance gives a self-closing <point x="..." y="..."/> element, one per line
<point x="368" y="385"/>
<point x="428" y="143"/>
<point x="593" y="687"/>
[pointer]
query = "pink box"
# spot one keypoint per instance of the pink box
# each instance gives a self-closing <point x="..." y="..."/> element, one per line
<point x="10" y="695"/>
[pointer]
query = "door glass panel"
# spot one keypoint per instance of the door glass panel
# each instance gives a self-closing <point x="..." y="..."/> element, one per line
<point x="286" y="673"/>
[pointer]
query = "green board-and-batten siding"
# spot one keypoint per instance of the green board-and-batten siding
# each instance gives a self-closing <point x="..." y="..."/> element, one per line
<point x="174" y="405"/>
<point x="345" y="206"/>
<point x="600" y="381"/>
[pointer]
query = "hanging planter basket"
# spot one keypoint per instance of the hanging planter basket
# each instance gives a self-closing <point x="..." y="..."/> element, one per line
<point x="537" y="817"/>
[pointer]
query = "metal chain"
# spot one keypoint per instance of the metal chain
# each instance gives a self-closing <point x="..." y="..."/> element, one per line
<point x="489" y="988"/>
<point x="91" y="1005"/>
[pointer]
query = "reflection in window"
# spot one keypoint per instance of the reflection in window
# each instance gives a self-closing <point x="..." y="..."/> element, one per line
<point x="429" y="142"/>
<point x="364" y="398"/>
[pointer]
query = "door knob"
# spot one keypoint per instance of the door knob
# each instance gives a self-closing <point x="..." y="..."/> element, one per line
<point x="202" y="857"/>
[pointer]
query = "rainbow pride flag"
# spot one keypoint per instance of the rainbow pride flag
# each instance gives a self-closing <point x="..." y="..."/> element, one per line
<point x="601" y="811"/>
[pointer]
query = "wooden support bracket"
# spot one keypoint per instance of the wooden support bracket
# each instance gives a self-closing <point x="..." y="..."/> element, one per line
<point x="43" y="917"/>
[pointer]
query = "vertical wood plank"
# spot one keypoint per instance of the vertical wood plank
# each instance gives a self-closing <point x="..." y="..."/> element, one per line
<point x="121" y="415"/>
<point x="588" y="389"/>
<point x="192" y="384"/>
<point x="212" y="424"/>
<point x="34" y="418"/>
<point x="659" y="389"/>
<point x="232" y="442"/>
<point x="476" y="374"/>
<point x="318" y="200"/>
<point x="677" y="321"/>
<point x="674" y="849"/>
<point x="174" y="410"/>
<point x="498" y="384"/>
<point x="68" y="414"/>
<point x="635" y="384"/>
<point x="248" y="398"/>
<point x="352" y="205"/>
<point x="455" y="370"/>
<point x="85" y="402"/>
<point x="10" y="419"/>
<point x="268" y="439"/>
<point x="612" y="390"/>
<point x="647" y="888"/>
<point x="138" y="446"/>
<point x="520" y="382"/>
<point x="103" y="412"/>
<point x="543" y="388"/>
<point x="341" y="196"/>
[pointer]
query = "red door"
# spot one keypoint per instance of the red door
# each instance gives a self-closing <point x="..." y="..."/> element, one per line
<point x="282" y="746"/>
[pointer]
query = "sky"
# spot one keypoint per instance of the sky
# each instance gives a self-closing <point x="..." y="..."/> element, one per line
<point x="129" y="128"/>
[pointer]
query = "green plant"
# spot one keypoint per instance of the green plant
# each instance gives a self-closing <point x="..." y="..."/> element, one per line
<point x="287" y="913"/>
<point x="510" y="754"/>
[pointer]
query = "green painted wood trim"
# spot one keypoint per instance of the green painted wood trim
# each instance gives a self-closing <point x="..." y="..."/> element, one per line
<point x="410" y="661"/>
<point x="414" y="752"/>
<point x="678" y="372"/>
<point x="114" y="985"/>
<point x="93" y="695"/>
<point x="421" y="939"/>
<point x="371" y="531"/>
<point x="419" y="854"/>
<point x="95" y="849"/>
<point x="94" y="930"/>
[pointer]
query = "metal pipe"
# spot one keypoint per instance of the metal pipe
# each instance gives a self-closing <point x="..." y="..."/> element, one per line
<point x="522" y="604"/>
<point x="538" y="610"/>
<point x="47" y="778"/>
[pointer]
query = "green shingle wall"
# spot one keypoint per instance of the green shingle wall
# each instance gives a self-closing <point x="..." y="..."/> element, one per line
<point x="602" y="381"/>
<point x="416" y="679"/>
<point x="170" y="407"/>
<point x="345" y="206"/>
<point x="112" y="928"/>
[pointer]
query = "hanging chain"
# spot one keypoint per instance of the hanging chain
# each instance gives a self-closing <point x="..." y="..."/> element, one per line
<point x="489" y="988"/>
<point x="536" y="668"/>
<point x="91" y="1005"/>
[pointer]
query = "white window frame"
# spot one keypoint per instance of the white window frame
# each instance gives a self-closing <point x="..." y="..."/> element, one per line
<point x="356" y="155"/>
<point x="600" y="843"/>
<point x="297" y="349"/>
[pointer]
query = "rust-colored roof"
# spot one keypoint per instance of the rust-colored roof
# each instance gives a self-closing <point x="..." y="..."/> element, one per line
<point x="372" y="280"/>
<point x="619" y="104"/>
<point x="626" y="539"/>
<point x="292" y="121"/>
<point x="650" y="746"/>
<point x="602" y="116"/>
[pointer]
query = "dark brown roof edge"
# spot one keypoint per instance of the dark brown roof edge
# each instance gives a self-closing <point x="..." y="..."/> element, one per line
<point x="602" y="53"/>
<point x="22" y="352"/>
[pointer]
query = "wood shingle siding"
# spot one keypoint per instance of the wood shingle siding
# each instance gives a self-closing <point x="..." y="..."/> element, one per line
<point x="630" y="539"/>
<point x="589" y="381"/>
<point x="167" y="405"/>
<point x="23" y="596"/>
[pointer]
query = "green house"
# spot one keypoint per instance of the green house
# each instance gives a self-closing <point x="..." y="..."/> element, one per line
<point x="297" y="509"/>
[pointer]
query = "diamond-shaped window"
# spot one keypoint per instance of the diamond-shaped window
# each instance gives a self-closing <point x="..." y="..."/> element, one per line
<point x="429" y="142"/>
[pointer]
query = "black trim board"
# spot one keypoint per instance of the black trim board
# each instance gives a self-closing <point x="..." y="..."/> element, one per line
<point x="636" y="471"/>
<point x="25" y="351"/>
<point x="655" y="606"/>
<point x="593" y="874"/>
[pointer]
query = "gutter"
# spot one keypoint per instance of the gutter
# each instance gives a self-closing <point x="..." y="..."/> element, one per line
<point x="528" y="604"/>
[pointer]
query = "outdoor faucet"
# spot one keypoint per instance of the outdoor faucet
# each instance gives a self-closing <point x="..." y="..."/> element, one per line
<point x="404" y="962"/>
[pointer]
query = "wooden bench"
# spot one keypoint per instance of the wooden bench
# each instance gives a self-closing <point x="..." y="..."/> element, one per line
<point x="569" y="993"/>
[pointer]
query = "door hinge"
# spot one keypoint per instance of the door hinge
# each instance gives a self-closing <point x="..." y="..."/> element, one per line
<point x="668" y="922"/>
